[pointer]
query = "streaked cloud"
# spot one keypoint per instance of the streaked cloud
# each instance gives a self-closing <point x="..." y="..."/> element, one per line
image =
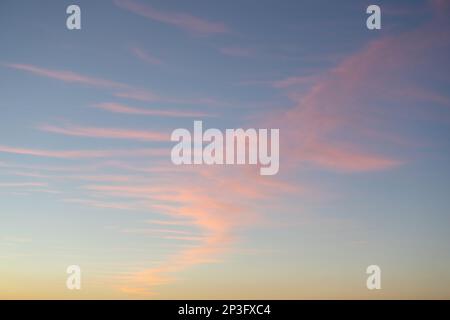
<point x="125" y="109"/>
<point x="184" y="21"/>
<point x="145" y="56"/>
<point x="121" y="90"/>
<point x="104" y="204"/>
<point x="109" y="133"/>
<point x="78" y="154"/>
<point x="347" y="160"/>
<point x="169" y="222"/>
<point x="328" y="123"/>
<point x="346" y="118"/>
<point x="216" y="205"/>
<point x="68" y="76"/>
<point x="139" y="94"/>
<point x="22" y="184"/>
<point x="294" y="81"/>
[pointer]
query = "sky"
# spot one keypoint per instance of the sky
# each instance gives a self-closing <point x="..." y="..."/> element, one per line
<point x="85" y="171"/>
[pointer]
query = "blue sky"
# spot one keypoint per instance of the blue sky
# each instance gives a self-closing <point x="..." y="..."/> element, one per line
<point x="85" y="167"/>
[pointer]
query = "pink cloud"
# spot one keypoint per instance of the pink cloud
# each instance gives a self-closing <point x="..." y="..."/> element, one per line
<point x="46" y="168"/>
<point x="145" y="56"/>
<point x="420" y="94"/>
<point x="122" y="90"/>
<point x="441" y="6"/>
<point x="181" y="20"/>
<point x="110" y="133"/>
<point x="120" y="108"/>
<point x="367" y="92"/>
<point x="22" y="184"/>
<point x="77" y="154"/>
<point x="102" y="204"/>
<point x="149" y="231"/>
<point x="168" y="222"/>
<point x="97" y="178"/>
<point x="293" y="81"/>
<point x="216" y="205"/>
<point x="183" y="238"/>
<point x="68" y="76"/>
<point x="139" y="94"/>
<point x="148" y="96"/>
<point x="342" y="159"/>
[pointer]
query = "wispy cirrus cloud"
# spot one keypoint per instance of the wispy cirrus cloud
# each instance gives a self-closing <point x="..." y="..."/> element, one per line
<point x="109" y="133"/>
<point x="139" y="95"/>
<point x="149" y="96"/>
<point x="123" y="90"/>
<point x="68" y="76"/>
<point x="340" y="158"/>
<point x="158" y="232"/>
<point x="184" y="21"/>
<point x="46" y="168"/>
<point x="105" y="204"/>
<point x="215" y="206"/>
<point x="327" y="125"/>
<point x="120" y="90"/>
<point x="79" y="154"/>
<point x="294" y="81"/>
<point x="284" y="83"/>
<point x="121" y="108"/>
<point x="169" y="222"/>
<point x="145" y="56"/>
<point x="22" y="184"/>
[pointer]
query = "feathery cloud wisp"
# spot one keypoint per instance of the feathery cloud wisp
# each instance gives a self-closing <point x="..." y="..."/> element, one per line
<point x="121" y="108"/>
<point x="145" y="56"/>
<point x="78" y="154"/>
<point x="181" y="20"/>
<point x="68" y="76"/>
<point x="110" y="133"/>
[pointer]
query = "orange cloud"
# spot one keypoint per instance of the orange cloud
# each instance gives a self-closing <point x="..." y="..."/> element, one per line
<point x="216" y="205"/>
